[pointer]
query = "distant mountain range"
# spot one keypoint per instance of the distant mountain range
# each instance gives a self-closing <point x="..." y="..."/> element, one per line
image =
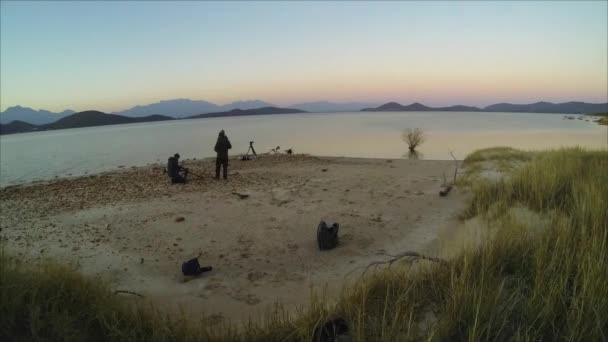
<point x="82" y="119"/>
<point x="29" y="115"/>
<point x="325" y="107"/>
<point x="183" y="108"/>
<point x="538" y="107"/>
<point x="548" y="107"/>
<point x="245" y="112"/>
<point x="92" y="118"/>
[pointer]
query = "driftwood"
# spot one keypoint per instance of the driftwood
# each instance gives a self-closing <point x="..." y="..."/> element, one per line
<point x="447" y="187"/>
<point x="128" y="292"/>
<point x="241" y="195"/>
<point x="412" y="257"/>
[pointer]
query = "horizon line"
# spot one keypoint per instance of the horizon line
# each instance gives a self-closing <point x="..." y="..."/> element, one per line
<point x="379" y="103"/>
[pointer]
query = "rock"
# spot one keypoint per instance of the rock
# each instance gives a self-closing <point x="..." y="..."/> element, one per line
<point x="323" y="170"/>
<point x="179" y="219"/>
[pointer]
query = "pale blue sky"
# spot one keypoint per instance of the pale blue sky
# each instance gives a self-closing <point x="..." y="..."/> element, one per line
<point x="113" y="55"/>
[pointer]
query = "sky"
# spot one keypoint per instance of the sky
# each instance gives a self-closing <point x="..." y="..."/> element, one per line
<point x="111" y="56"/>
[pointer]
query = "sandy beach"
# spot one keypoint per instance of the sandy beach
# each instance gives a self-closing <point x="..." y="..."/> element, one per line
<point x="126" y="226"/>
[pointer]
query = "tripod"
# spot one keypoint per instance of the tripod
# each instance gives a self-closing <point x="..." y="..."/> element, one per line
<point x="251" y="149"/>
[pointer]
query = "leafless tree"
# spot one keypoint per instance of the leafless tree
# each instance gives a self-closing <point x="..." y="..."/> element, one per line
<point x="413" y="137"/>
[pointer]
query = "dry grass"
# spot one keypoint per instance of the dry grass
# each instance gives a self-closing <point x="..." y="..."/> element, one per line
<point x="529" y="283"/>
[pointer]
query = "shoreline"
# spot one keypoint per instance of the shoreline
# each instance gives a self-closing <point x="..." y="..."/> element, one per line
<point x="195" y="161"/>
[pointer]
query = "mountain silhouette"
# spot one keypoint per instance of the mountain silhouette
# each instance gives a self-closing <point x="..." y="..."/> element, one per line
<point x="325" y="106"/>
<point x="248" y="104"/>
<point x="88" y="118"/>
<point x="548" y="107"/>
<point x="538" y="107"/>
<point x="32" y="116"/>
<point x="181" y="108"/>
<point x="17" y="126"/>
<point x="418" y="107"/>
<point x="95" y="118"/>
<point x="245" y="112"/>
<point x="177" y="108"/>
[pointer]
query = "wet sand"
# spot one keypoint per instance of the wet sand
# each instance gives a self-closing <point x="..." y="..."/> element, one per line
<point x="123" y="226"/>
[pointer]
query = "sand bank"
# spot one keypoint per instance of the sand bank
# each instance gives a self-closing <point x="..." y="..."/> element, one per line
<point x="121" y="226"/>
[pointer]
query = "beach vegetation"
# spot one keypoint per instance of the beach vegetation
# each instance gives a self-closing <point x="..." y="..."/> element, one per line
<point x="413" y="138"/>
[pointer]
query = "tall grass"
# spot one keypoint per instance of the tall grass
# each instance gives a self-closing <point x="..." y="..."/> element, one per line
<point x="529" y="283"/>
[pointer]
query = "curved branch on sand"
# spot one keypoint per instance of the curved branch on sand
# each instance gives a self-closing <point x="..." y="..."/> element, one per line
<point x="413" y="256"/>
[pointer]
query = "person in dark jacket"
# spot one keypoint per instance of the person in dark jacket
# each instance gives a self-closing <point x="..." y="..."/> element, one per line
<point x="177" y="173"/>
<point x="221" y="147"/>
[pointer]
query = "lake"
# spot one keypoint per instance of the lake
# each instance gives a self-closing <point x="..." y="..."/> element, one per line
<point x="73" y="152"/>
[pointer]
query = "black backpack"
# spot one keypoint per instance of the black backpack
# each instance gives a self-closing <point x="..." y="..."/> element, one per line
<point x="192" y="268"/>
<point x="327" y="237"/>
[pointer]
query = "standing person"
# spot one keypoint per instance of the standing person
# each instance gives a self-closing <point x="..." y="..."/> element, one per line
<point x="221" y="147"/>
<point x="177" y="173"/>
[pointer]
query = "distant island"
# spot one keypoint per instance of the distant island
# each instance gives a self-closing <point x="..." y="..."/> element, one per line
<point x="538" y="107"/>
<point x="92" y="118"/>
<point x="88" y="118"/>
<point x="418" y="107"/>
<point x="245" y="112"/>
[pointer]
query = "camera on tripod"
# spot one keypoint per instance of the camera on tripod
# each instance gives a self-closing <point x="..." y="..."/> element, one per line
<point x="250" y="149"/>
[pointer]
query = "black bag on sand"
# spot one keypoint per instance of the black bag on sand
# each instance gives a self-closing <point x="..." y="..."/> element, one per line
<point x="193" y="268"/>
<point x="327" y="237"/>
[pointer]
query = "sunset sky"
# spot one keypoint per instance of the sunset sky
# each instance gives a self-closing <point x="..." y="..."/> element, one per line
<point x="112" y="55"/>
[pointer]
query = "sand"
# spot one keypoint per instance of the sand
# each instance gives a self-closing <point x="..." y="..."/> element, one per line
<point x="123" y="227"/>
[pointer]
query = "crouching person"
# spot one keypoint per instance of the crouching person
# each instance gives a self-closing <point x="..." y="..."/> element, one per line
<point x="177" y="173"/>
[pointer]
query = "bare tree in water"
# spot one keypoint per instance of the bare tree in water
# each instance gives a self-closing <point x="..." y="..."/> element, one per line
<point x="413" y="137"/>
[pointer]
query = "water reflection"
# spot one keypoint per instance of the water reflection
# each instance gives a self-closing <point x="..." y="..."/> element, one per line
<point x="413" y="155"/>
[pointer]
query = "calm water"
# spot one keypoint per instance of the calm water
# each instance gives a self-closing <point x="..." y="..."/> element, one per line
<point x="43" y="155"/>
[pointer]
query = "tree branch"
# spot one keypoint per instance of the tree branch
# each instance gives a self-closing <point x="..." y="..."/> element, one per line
<point x="412" y="257"/>
<point x="128" y="292"/>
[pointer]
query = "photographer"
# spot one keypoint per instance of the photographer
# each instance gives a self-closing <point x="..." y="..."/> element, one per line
<point x="177" y="173"/>
<point x="221" y="147"/>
